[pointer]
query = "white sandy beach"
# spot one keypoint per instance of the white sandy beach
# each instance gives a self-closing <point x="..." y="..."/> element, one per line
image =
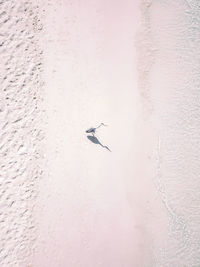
<point x="71" y="65"/>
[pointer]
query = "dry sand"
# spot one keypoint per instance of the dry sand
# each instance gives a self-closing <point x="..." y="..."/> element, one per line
<point x="20" y="122"/>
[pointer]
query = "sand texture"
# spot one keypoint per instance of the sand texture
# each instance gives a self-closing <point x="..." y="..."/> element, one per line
<point x="20" y="95"/>
<point x="128" y="196"/>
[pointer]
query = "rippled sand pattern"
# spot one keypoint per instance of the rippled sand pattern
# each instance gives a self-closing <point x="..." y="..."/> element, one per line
<point x="20" y="96"/>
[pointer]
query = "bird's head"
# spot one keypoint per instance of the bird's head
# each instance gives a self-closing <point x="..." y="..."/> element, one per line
<point x="104" y="124"/>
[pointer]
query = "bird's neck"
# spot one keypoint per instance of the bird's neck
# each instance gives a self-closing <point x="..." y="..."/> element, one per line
<point x="99" y="126"/>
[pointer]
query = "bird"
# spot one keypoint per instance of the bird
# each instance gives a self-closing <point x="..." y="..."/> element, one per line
<point x="93" y="130"/>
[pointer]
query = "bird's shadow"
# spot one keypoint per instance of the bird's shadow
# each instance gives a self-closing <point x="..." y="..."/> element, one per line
<point x="95" y="140"/>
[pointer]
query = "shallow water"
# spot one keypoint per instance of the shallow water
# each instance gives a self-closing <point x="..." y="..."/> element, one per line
<point x="173" y="94"/>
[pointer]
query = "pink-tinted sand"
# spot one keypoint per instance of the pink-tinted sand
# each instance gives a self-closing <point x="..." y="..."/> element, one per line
<point x="70" y="65"/>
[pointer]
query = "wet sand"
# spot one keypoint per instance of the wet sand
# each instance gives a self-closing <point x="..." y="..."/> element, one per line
<point x="88" y="216"/>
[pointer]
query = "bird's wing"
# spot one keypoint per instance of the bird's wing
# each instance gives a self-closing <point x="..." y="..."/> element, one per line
<point x="90" y="129"/>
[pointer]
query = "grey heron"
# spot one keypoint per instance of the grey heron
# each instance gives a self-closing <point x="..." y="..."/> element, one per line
<point x="93" y="130"/>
